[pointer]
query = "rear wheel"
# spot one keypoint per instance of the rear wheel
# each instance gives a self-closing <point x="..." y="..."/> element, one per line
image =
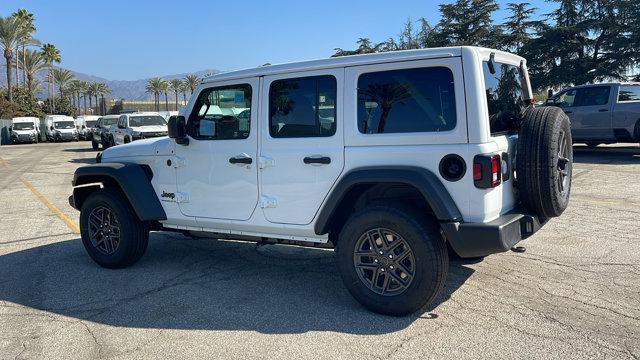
<point x="544" y="161"/>
<point x="391" y="260"/>
<point x="111" y="232"/>
<point x="94" y="145"/>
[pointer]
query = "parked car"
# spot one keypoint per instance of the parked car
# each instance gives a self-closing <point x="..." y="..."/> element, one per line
<point x="85" y="124"/>
<point x="389" y="157"/>
<point x="101" y="133"/>
<point x="167" y="114"/>
<point x="60" y="128"/>
<point x="601" y="113"/>
<point x="142" y="125"/>
<point x="24" y="130"/>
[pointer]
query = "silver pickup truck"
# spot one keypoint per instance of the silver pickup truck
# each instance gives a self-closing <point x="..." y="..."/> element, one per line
<point x="601" y="113"/>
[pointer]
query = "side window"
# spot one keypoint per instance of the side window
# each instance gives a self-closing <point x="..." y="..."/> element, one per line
<point x="406" y="101"/>
<point x="629" y="93"/>
<point x="597" y="95"/>
<point x="222" y="113"/>
<point x="303" y="107"/>
<point x="566" y="99"/>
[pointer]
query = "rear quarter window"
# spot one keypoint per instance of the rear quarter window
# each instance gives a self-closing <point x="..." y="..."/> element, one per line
<point x="504" y="97"/>
<point x="406" y="101"/>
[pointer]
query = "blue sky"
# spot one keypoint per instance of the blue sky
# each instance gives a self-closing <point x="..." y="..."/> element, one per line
<point x="128" y="40"/>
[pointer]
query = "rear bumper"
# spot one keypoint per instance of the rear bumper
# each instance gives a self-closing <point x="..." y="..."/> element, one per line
<point x="499" y="235"/>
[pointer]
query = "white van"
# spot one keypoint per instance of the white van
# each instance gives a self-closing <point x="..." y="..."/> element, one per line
<point x="85" y="124"/>
<point x="24" y="130"/>
<point x="60" y="128"/>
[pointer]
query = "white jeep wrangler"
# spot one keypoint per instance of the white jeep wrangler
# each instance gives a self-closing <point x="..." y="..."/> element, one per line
<point x="388" y="157"/>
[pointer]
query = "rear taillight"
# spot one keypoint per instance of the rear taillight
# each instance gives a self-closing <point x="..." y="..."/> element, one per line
<point x="487" y="171"/>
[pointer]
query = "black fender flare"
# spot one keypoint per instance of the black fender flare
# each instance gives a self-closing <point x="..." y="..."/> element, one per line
<point x="431" y="188"/>
<point x="133" y="179"/>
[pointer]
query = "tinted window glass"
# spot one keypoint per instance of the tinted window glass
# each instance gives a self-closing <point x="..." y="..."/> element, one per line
<point x="222" y="114"/>
<point x="565" y="99"/>
<point x="304" y="107"/>
<point x="598" y="95"/>
<point x="629" y="93"/>
<point x="406" y="101"/>
<point x="135" y="121"/>
<point x="504" y="96"/>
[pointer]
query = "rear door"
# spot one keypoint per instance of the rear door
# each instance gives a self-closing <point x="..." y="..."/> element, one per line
<point x="301" y="154"/>
<point x="592" y="113"/>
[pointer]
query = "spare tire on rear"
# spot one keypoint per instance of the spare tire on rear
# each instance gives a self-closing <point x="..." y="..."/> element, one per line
<point x="544" y="161"/>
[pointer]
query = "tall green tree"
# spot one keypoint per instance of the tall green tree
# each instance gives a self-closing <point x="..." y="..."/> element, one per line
<point x="518" y="27"/>
<point x="10" y="32"/>
<point x="63" y="78"/>
<point x="175" y="85"/>
<point x="51" y="55"/>
<point x="192" y="81"/>
<point x="27" y="29"/>
<point x="468" y="22"/>
<point x="155" y="86"/>
<point x="32" y="64"/>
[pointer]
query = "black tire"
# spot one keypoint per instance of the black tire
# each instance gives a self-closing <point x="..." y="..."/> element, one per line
<point x="429" y="253"/>
<point x="134" y="234"/>
<point x="105" y="143"/>
<point x="94" y="145"/>
<point x="544" y="161"/>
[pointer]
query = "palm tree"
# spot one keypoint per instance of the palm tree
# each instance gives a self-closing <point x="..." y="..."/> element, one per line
<point x="25" y="19"/>
<point x="94" y="90"/>
<point x="164" y="88"/>
<point x="10" y="32"/>
<point x="32" y="64"/>
<point x="51" y="55"/>
<point x="83" y="89"/>
<point x="183" y="88"/>
<point x="176" y="86"/>
<point x="155" y="85"/>
<point x="192" y="82"/>
<point x="63" y="77"/>
<point x="103" y="90"/>
<point x="73" y="90"/>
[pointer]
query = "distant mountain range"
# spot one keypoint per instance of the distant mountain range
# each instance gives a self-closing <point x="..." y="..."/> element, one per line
<point x="120" y="89"/>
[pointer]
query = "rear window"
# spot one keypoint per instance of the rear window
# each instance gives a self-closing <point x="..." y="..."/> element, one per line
<point x="504" y="97"/>
<point x="406" y="101"/>
<point x="629" y="93"/>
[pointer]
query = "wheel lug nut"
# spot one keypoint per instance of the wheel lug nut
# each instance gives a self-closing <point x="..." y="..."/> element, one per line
<point x="391" y="267"/>
<point x="380" y="252"/>
<point x="382" y="270"/>
<point x="375" y="261"/>
<point x="390" y="256"/>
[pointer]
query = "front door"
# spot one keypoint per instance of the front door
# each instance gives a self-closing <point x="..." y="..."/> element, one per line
<point x="592" y="113"/>
<point x="302" y="148"/>
<point x="217" y="171"/>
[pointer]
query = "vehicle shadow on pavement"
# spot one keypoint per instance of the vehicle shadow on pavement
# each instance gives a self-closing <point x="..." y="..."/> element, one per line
<point x="83" y="161"/>
<point x="607" y="155"/>
<point x="184" y="283"/>
<point x="81" y="150"/>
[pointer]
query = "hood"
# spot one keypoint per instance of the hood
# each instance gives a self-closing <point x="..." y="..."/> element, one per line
<point x="151" y="128"/>
<point x="145" y="147"/>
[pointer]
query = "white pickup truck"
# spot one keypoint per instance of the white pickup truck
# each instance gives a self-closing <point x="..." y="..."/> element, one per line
<point x="601" y="113"/>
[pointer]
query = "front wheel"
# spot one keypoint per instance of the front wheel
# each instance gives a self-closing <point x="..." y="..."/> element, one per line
<point x="392" y="260"/>
<point x="111" y="232"/>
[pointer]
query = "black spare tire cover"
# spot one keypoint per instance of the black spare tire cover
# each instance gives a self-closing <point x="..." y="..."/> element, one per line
<point x="544" y="161"/>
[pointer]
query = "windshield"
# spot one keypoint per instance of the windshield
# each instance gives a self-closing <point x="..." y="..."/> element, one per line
<point x="64" y="125"/>
<point x="23" y="126"/>
<point x="109" y="121"/>
<point x="151" y="120"/>
<point x="91" y="123"/>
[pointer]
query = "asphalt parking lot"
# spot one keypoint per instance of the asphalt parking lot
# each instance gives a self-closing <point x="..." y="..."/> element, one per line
<point x="574" y="294"/>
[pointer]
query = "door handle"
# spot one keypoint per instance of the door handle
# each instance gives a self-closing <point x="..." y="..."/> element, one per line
<point x="603" y="110"/>
<point x="241" y="160"/>
<point x="324" y="160"/>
